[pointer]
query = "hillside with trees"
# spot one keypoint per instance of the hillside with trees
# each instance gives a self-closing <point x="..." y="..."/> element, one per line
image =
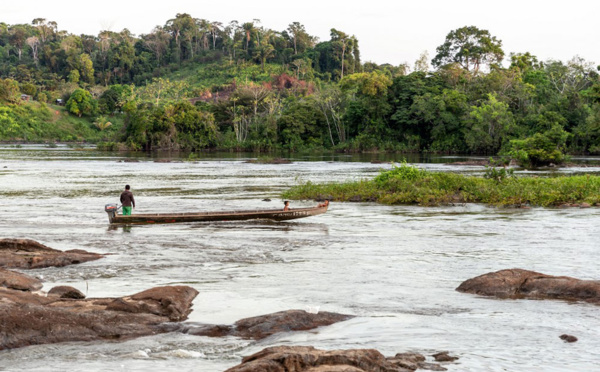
<point x="194" y="84"/>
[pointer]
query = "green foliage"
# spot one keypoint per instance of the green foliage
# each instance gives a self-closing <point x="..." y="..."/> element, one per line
<point x="269" y="89"/>
<point x="170" y="127"/>
<point x="470" y="47"/>
<point x="489" y="126"/>
<point x="81" y="103"/>
<point x="404" y="172"/>
<point x="407" y="186"/>
<point x="498" y="174"/>
<point x="9" y="91"/>
<point x="541" y="148"/>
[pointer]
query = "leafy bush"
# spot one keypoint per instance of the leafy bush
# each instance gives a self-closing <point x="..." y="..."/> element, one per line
<point x="402" y="172"/>
<point x="541" y="148"/>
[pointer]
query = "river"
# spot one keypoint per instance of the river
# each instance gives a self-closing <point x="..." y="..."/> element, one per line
<point x="394" y="267"/>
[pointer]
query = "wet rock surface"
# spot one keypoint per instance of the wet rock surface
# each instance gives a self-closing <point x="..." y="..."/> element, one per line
<point x="568" y="338"/>
<point x="259" y="327"/>
<point x="519" y="283"/>
<point x="29" y="254"/>
<point x="65" y="291"/>
<point x="309" y="359"/>
<point x="18" y="281"/>
<point x="28" y="319"/>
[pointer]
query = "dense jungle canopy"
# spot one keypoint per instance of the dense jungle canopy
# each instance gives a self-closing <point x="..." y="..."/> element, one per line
<point x="194" y="84"/>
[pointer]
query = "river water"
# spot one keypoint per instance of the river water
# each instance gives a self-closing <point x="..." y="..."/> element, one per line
<point x="394" y="267"/>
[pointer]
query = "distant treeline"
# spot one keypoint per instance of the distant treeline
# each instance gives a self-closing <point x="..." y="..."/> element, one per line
<point x="193" y="84"/>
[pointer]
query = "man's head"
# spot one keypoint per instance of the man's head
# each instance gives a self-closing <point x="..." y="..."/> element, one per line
<point x="127" y="187"/>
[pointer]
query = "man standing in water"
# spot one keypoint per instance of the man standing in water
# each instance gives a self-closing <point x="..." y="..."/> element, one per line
<point x="127" y="201"/>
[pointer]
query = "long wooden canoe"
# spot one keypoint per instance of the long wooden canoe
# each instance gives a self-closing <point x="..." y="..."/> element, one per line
<point x="266" y="214"/>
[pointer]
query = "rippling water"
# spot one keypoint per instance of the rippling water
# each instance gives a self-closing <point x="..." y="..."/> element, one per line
<point x="395" y="268"/>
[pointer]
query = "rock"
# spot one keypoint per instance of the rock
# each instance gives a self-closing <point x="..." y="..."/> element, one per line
<point x="29" y="254"/>
<point x="518" y="283"/>
<point x="309" y="359"/>
<point x="409" y="361"/>
<point x="568" y="338"/>
<point x="173" y="302"/>
<point x="585" y="205"/>
<point x="18" y="281"/>
<point x="65" y="291"/>
<point x="266" y="200"/>
<point x="444" y="357"/>
<point x="263" y="326"/>
<point x="30" y="319"/>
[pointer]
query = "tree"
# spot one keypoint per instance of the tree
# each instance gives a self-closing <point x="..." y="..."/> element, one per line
<point x="81" y="103"/>
<point x="157" y="42"/>
<point x="470" y="47"/>
<point x="300" y="39"/>
<point x="329" y="102"/>
<point x="366" y="94"/>
<point x="34" y="44"/>
<point x="541" y="148"/>
<point x="422" y="64"/>
<point x="18" y="38"/>
<point x="9" y="91"/>
<point x="86" y="68"/>
<point x="441" y="115"/>
<point x="343" y="42"/>
<point x="489" y="126"/>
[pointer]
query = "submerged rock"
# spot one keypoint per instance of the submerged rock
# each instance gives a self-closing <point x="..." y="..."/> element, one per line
<point x="519" y="283"/>
<point x="309" y="359"/>
<point x="30" y="319"/>
<point x="29" y="254"/>
<point x="259" y="327"/>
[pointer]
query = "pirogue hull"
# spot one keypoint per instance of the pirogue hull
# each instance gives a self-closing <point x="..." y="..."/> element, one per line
<point x="271" y="214"/>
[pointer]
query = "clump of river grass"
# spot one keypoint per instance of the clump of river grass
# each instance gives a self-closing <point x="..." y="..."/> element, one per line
<point x="406" y="184"/>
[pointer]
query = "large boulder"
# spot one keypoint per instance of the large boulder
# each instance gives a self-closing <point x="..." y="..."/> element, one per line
<point x="21" y="282"/>
<point x="309" y="359"/>
<point x="519" y="283"/>
<point x="263" y="326"/>
<point x="29" y="254"/>
<point x="28" y="319"/>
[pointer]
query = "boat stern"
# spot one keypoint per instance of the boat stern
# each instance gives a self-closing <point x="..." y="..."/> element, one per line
<point x="111" y="210"/>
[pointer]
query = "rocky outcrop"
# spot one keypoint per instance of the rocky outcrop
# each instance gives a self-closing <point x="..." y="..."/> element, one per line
<point x="518" y="283"/>
<point x="20" y="282"/>
<point x="309" y="359"/>
<point x="29" y="254"/>
<point x="170" y="302"/>
<point x="28" y="319"/>
<point x="259" y="327"/>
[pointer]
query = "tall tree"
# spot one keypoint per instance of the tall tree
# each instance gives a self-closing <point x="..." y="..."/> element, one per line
<point x="470" y="47"/>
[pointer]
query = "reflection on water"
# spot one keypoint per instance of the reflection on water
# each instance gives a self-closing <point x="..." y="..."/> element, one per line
<point x="395" y="267"/>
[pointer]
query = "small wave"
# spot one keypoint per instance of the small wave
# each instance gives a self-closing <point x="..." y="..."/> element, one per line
<point x="181" y="354"/>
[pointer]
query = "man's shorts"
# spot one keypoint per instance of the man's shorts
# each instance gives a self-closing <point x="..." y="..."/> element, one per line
<point x="126" y="211"/>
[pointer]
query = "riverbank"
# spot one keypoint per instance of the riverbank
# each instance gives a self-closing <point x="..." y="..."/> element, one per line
<point x="407" y="184"/>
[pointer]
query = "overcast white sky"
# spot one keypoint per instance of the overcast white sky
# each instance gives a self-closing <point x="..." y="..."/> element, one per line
<point x="391" y="31"/>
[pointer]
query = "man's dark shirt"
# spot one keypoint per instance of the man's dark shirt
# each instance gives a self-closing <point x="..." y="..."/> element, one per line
<point x="127" y="199"/>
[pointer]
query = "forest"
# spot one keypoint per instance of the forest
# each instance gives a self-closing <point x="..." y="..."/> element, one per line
<point x="196" y="85"/>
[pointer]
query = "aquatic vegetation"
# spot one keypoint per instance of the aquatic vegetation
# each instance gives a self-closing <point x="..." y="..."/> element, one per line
<point x="407" y="184"/>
